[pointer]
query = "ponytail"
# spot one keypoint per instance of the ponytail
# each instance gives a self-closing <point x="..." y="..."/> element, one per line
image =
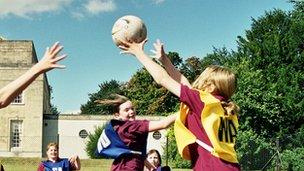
<point x="113" y="102"/>
<point x="230" y="107"/>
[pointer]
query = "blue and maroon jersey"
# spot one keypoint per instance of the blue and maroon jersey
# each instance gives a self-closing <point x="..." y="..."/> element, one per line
<point x="125" y="141"/>
<point x="111" y="145"/>
<point x="60" y="165"/>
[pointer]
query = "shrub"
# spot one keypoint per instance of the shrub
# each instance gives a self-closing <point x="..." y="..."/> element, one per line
<point x="293" y="159"/>
<point x="91" y="145"/>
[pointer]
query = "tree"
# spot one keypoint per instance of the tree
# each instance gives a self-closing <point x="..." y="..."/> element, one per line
<point x="105" y="90"/>
<point x="53" y="109"/>
<point x="91" y="145"/>
<point x="271" y="91"/>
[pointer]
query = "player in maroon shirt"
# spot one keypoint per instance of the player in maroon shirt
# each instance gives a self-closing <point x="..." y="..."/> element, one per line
<point x="132" y="132"/>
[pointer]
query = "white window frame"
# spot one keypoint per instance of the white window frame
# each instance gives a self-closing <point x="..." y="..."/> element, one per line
<point x="16" y="133"/>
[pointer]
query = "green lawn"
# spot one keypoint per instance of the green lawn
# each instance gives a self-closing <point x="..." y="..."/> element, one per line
<point x="31" y="164"/>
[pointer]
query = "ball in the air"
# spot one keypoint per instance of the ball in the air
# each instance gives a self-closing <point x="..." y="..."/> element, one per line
<point x="129" y="28"/>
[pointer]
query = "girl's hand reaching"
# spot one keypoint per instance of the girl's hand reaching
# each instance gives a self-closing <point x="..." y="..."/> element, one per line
<point x="158" y="51"/>
<point x="50" y="59"/>
<point x="132" y="48"/>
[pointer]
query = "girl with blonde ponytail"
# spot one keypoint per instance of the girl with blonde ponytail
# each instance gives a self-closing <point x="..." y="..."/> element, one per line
<point x="224" y="83"/>
<point x="206" y="127"/>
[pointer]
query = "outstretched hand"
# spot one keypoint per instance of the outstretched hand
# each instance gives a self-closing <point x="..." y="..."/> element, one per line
<point x="132" y="48"/>
<point x="158" y="51"/>
<point x="50" y="58"/>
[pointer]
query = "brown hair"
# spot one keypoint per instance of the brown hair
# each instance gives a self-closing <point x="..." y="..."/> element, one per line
<point x="114" y="102"/>
<point x="225" y="82"/>
<point x="155" y="151"/>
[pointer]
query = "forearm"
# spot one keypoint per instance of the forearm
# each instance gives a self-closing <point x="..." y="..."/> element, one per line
<point x="162" y="124"/>
<point x="158" y="73"/>
<point x="168" y="121"/>
<point x="174" y="72"/>
<point x="75" y="162"/>
<point x="10" y="91"/>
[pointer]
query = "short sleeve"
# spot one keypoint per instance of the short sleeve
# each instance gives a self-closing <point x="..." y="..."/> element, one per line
<point x="139" y="127"/>
<point x="40" y="167"/>
<point x="134" y="133"/>
<point x="192" y="99"/>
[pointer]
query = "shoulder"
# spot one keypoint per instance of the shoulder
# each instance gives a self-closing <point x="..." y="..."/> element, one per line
<point x="136" y="126"/>
<point x="41" y="166"/>
<point x="188" y="90"/>
<point x="134" y="122"/>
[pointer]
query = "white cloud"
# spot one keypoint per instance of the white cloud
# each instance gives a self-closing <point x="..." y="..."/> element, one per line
<point x="25" y="8"/>
<point x="158" y="1"/>
<point x="78" y="15"/>
<point x="98" y="6"/>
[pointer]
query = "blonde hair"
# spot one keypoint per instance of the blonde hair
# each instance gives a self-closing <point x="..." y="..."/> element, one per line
<point x="115" y="101"/>
<point x="52" y="144"/>
<point x="224" y="81"/>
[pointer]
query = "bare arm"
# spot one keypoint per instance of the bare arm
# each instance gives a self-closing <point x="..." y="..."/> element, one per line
<point x="75" y="162"/>
<point x="161" y="56"/>
<point x="48" y="62"/>
<point x="156" y="71"/>
<point x="162" y="124"/>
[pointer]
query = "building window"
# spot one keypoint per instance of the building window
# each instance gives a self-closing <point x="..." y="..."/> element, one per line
<point x="16" y="133"/>
<point x="83" y="133"/>
<point x="18" y="99"/>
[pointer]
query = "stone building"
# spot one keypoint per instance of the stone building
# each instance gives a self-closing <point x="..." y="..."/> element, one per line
<point x="21" y="128"/>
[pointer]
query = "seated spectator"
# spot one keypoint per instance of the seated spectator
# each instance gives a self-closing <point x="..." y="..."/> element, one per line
<point x="153" y="162"/>
<point x="53" y="161"/>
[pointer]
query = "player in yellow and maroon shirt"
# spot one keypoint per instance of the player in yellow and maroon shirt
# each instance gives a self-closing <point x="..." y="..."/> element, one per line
<point x="206" y="128"/>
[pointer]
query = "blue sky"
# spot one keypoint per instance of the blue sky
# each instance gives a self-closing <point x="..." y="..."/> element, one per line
<point x="189" y="27"/>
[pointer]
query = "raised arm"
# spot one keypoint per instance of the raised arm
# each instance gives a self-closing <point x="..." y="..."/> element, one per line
<point x="75" y="162"/>
<point x="48" y="62"/>
<point x="162" y="124"/>
<point x="156" y="71"/>
<point x="161" y="56"/>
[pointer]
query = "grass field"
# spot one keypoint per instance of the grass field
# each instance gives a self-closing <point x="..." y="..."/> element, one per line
<point x="31" y="164"/>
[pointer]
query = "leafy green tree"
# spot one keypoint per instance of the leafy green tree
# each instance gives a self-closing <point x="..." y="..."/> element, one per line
<point x="91" y="144"/>
<point x="191" y="68"/>
<point x="105" y="90"/>
<point x="270" y="94"/>
<point x="54" y="110"/>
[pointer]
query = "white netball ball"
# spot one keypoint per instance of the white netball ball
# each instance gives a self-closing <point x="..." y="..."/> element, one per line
<point x="129" y="28"/>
